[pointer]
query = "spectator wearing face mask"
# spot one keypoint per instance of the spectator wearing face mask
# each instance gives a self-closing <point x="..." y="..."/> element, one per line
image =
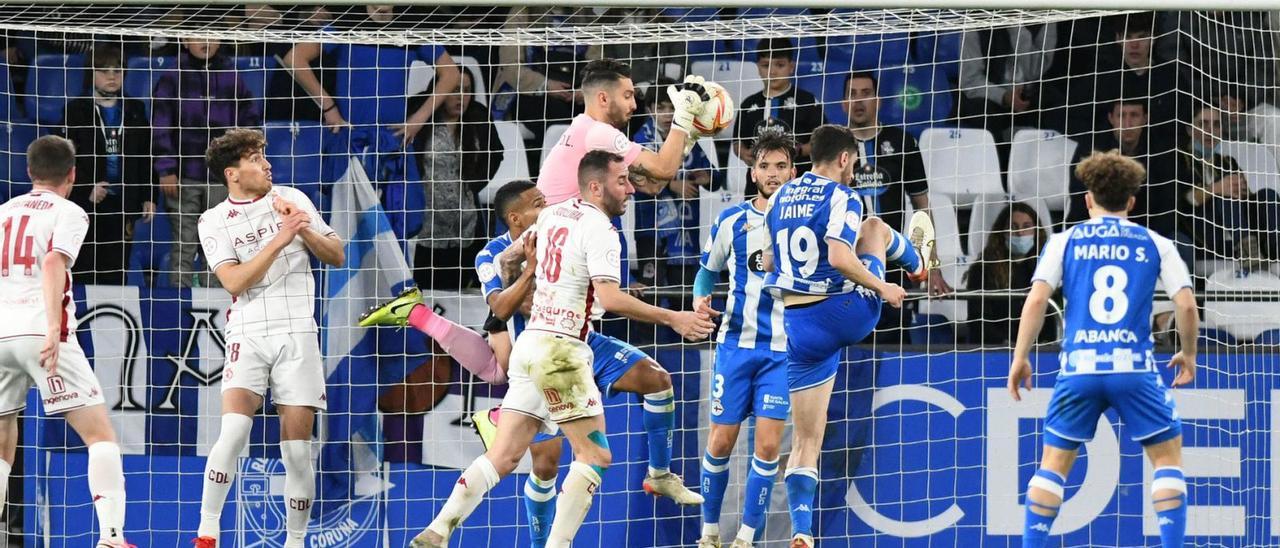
<point x="1006" y="264"/>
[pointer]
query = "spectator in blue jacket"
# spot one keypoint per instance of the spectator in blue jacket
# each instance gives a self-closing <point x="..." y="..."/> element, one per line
<point x="190" y="107"/>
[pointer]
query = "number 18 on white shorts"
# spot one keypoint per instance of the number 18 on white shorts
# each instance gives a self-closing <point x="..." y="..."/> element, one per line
<point x="289" y="364"/>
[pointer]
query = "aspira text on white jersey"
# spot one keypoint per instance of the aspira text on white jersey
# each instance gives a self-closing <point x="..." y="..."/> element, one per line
<point x="283" y="301"/>
<point x="576" y="244"/>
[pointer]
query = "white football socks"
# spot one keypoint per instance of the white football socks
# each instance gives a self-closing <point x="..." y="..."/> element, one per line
<point x="220" y="471"/>
<point x="106" y="485"/>
<point x="475" y="481"/>
<point x="299" y="488"/>
<point x="576" y="495"/>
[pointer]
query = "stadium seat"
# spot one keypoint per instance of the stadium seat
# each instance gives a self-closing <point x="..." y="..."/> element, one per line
<point x="295" y="152"/>
<point x="1241" y="318"/>
<point x="1040" y="167"/>
<point x="710" y="204"/>
<point x="141" y="75"/>
<point x="917" y="97"/>
<point x="8" y="109"/>
<point x="739" y="78"/>
<point x="961" y="163"/>
<point x="1270" y="337"/>
<point x="420" y="77"/>
<point x="256" y="73"/>
<point x="867" y="51"/>
<point x="735" y="175"/>
<point x="942" y="50"/>
<point x="14" y="139"/>
<point x="947" y="225"/>
<point x="52" y="81"/>
<point x="515" y="163"/>
<point x="1258" y="163"/>
<point x="479" y="91"/>
<point x="150" y="252"/>
<point x="931" y="329"/>
<point x="549" y="139"/>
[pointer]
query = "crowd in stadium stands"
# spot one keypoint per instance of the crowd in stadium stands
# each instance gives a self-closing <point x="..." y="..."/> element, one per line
<point x="1176" y="90"/>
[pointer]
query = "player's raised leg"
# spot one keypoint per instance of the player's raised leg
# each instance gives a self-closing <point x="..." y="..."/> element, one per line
<point x="238" y="407"/>
<point x="540" y="486"/>
<point x="469" y="348"/>
<point x="646" y="377"/>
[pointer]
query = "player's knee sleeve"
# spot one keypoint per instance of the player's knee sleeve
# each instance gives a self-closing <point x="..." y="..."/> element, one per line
<point x="1048" y="481"/>
<point x="235" y="432"/>
<point x="1168" y="478"/>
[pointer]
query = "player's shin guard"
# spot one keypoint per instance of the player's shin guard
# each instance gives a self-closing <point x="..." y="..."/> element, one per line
<point x="467" y="493"/>
<point x="715" y="476"/>
<point x="802" y="488"/>
<point x="220" y="471"/>
<point x="106" y="484"/>
<point x="299" y="488"/>
<point x="575" y="499"/>
<point x="901" y="251"/>
<point x="540" y="508"/>
<point x="757" y="492"/>
<point x="1172" y="519"/>
<point x="659" y="419"/>
<point x="1040" y="515"/>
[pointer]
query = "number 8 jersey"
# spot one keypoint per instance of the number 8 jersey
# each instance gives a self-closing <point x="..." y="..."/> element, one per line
<point x="576" y="244"/>
<point x="803" y="215"/>
<point x="1108" y="268"/>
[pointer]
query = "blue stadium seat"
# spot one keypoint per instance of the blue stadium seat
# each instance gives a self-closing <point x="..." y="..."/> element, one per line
<point x="917" y="97"/>
<point x="942" y="50"/>
<point x="150" y="252"/>
<point x="141" y="74"/>
<point x="696" y="48"/>
<point x="867" y="51"/>
<point x="294" y="151"/>
<point x="1270" y="337"/>
<point x="52" y="81"/>
<point x="931" y="329"/>
<point x="255" y="72"/>
<point x="8" y="109"/>
<point x="14" y="139"/>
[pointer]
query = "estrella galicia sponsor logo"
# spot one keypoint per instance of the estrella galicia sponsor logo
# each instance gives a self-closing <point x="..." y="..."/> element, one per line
<point x="263" y="509"/>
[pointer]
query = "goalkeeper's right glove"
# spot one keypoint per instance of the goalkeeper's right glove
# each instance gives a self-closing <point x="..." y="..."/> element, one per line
<point x="688" y="100"/>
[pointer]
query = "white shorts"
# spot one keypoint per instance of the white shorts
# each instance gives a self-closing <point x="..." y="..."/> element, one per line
<point x="290" y="365"/>
<point x="73" y="386"/>
<point x="550" y="379"/>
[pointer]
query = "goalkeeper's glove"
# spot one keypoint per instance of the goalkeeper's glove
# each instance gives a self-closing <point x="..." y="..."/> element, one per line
<point x="688" y="99"/>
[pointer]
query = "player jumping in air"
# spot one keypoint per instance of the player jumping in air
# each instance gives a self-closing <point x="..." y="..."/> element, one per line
<point x="1108" y="268"/>
<point x="259" y="243"/>
<point x="551" y="374"/>
<point x="751" y="357"/>
<point x="827" y="262"/>
<point x="42" y="233"/>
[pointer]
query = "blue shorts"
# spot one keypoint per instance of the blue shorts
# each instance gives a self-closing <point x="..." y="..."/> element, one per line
<point x="1142" y="400"/>
<point x="613" y="358"/>
<point x="817" y="332"/>
<point x="749" y="381"/>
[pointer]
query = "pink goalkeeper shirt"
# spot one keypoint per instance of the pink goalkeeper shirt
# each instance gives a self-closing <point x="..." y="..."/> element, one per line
<point x="558" y="179"/>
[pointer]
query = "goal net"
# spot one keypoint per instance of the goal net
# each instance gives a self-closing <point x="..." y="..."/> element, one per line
<point x="977" y="116"/>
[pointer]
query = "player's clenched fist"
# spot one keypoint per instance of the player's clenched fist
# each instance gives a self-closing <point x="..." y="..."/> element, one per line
<point x="296" y="223"/>
<point x="284" y="207"/>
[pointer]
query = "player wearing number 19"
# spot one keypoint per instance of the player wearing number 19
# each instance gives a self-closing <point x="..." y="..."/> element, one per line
<point x="1108" y="268"/>
<point x="42" y="233"/>
<point x="829" y="271"/>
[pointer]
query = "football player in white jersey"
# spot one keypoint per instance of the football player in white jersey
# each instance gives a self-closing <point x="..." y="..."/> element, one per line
<point x="551" y="385"/>
<point x="259" y="243"/>
<point x="41" y="233"/>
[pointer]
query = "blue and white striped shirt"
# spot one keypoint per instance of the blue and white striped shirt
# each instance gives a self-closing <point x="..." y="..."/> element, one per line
<point x="490" y="282"/>
<point x="804" y="216"/>
<point x="737" y="242"/>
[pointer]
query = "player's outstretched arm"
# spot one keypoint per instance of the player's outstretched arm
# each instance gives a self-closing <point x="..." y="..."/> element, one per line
<point x="1188" y="321"/>
<point x="237" y="277"/>
<point x="843" y="259"/>
<point x="1028" y="330"/>
<point x="690" y="325"/>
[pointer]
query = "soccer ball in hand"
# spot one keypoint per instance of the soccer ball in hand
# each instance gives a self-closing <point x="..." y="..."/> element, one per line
<point x="717" y="112"/>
